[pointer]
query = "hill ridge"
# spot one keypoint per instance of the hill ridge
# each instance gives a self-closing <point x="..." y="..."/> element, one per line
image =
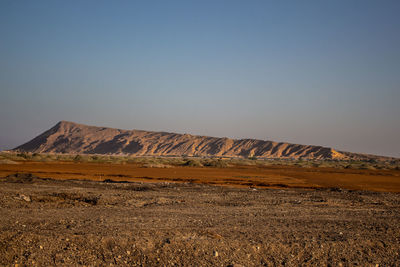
<point x="74" y="138"/>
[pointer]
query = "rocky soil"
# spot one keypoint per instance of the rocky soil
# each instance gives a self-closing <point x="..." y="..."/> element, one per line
<point x="62" y="223"/>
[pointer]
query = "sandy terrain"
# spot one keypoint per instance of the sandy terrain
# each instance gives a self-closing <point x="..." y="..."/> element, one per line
<point x="59" y="222"/>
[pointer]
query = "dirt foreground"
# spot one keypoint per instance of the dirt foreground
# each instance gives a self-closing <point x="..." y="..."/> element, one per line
<point x="73" y="222"/>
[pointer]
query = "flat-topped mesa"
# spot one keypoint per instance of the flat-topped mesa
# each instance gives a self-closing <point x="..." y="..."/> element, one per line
<point x="74" y="138"/>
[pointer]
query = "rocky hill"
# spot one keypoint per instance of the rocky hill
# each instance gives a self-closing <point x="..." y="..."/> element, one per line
<point x="73" y="138"/>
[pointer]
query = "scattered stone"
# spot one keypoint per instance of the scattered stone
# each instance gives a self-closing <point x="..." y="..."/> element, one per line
<point x="25" y="198"/>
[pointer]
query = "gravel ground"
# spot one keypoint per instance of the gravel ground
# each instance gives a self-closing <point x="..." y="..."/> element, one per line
<point x="50" y="222"/>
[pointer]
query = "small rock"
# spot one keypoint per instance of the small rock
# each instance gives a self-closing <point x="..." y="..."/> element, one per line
<point x="41" y="247"/>
<point x="25" y="198"/>
<point x="215" y="253"/>
<point x="128" y="252"/>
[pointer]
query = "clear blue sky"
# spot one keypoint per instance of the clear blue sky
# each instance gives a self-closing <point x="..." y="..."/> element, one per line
<point x="310" y="72"/>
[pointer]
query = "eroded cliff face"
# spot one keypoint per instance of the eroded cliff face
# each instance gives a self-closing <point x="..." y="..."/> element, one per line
<point x="70" y="137"/>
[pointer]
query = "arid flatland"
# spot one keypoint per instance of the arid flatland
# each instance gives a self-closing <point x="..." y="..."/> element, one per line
<point x="92" y="223"/>
<point x="99" y="211"/>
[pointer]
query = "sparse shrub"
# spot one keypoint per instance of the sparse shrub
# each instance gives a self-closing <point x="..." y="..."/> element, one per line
<point x="193" y="163"/>
<point x="155" y="165"/>
<point x="78" y="158"/>
<point x="363" y="167"/>
<point x="24" y="155"/>
<point x="219" y="163"/>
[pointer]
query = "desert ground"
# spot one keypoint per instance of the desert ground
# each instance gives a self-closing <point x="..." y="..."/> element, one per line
<point x="64" y="213"/>
<point x="270" y="176"/>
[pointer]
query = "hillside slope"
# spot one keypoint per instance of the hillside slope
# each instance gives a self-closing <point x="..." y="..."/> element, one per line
<point x="73" y="138"/>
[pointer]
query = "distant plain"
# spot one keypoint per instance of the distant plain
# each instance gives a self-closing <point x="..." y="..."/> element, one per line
<point x="352" y="175"/>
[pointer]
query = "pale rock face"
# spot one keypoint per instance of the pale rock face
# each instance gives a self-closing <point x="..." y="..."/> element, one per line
<point x="70" y="137"/>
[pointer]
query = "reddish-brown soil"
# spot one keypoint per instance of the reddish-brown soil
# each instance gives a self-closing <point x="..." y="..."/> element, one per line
<point x="240" y="176"/>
